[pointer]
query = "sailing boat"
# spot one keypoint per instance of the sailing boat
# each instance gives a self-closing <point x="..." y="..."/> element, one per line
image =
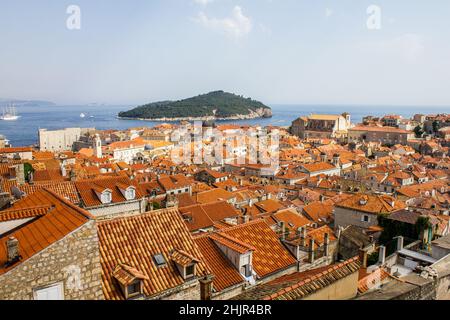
<point x="9" y="114"/>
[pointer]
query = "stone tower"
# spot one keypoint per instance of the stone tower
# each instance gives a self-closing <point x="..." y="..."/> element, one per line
<point x="98" y="146"/>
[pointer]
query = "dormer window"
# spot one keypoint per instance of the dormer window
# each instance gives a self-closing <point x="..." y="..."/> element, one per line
<point x="106" y="197"/>
<point x="186" y="264"/>
<point x="129" y="192"/>
<point x="130" y="281"/>
<point x="190" y="271"/>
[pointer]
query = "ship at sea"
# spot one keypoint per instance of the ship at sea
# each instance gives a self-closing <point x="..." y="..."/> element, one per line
<point x="9" y="114"/>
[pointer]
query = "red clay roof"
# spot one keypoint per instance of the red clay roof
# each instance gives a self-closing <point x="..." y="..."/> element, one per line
<point x="372" y="204"/>
<point x="270" y="255"/>
<point x="135" y="240"/>
<point x="38" y="234"/>
<point x="65" y="189"/>
<point x="299" y="285"/>
<point x="225" y="274"/>
<point x="16" y="150"/>
<point x="87" y="190"/>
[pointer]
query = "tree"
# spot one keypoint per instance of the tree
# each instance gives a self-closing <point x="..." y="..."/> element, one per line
<point x="418" y="131"/>
<point x="435" y="126"/>
<point x="156" y="206"/>
<point x="28" y="169"/>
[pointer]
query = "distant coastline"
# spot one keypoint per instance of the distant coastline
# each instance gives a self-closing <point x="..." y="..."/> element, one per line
<point x="206" y="118"/>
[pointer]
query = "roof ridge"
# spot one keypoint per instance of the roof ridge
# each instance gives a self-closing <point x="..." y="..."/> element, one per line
<point x="10" y="210"/>
<point x="70" y="204"/>
<point x="243" y="225"/>
<point x="139" y="215"/>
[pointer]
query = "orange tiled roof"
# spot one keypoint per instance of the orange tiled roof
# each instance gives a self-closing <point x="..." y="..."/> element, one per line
<point x="65" y="189"/>
<point x="16" y="150"/>
<point x="291" y="218"/>
<point x="89" y="197"/>
<point x="225" y="274"/>
<point x="183" y="258"/>
<point x="232" y="243"/>
<point x="373" y="280"/>
<point x="38" y="234"/>
<point x="380" y="129"/>
<point x="415" y="190"/>
<point x="48" y="175"/>
<point x="214" y="195"/>
<point x="137" y="143"/>
<point x="318" y="166"/>
<point x="196" y="218"/>
<point x="270" y="255"/>
<point x="269" y="206"/>
<point x="127" y="275"/>
<point x="300" y="285"/>
<point x="178" y="181"/>
<point x="19" y="214"/>
<point x="319" y="211"/>
<point x="372" y="204"/>
<point x="135" y="240"/>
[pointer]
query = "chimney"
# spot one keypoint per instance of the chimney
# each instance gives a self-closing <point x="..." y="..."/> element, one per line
<point x="326" y="244"/>
<point x="363" y="257"/>
<point x="303" y="237"/>
<point x="322" y="198"/>
<point x="400" y="241"/>
<point x="63" y="170"/>
<point x="283" y="230"/>
<point x="311" y="251"/>
<point x="206" y="288"/>
<point x="382" y="255"/>
<point x="20" y="174"/>
<point x="12" y="248"/>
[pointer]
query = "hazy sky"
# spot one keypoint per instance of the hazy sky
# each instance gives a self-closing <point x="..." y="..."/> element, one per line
<point x="276" y="51"/>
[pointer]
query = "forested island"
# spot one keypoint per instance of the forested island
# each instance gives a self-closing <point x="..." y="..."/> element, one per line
<point x="217" y="105"/>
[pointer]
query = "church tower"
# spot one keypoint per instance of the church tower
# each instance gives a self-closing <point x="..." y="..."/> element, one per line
<point x="98" y="146"/>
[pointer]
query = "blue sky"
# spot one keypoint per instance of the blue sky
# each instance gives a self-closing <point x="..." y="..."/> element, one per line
<point x="277" y="51"/>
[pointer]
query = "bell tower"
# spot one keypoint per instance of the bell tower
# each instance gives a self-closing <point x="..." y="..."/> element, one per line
<point x="98" y="146"/>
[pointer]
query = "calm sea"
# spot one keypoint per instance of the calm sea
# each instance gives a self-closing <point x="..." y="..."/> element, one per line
<point x="24" y="131"/>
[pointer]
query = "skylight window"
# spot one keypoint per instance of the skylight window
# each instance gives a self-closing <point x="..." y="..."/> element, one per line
<point x="159" y="260"/>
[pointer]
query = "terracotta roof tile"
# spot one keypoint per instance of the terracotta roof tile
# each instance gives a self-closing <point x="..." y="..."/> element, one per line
<point x="135" y="240"/>
<point x="372" y="204"/>
<point x="46" y="229"/>
<point x="300" y="285"/>
<point x="87" y="190"/>
<point x="270" y="255"/>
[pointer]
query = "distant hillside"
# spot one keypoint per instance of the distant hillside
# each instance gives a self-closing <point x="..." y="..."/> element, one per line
<point x="26" y="103"/>
<point x="214" y="105"/>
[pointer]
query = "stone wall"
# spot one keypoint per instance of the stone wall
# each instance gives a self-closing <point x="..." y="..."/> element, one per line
<point x="189" y="291"/>
<point x="343" y="289"/>
<point x="345" y="217"/>
<point x="73" y="261"/>
<point x="118" y="210"/>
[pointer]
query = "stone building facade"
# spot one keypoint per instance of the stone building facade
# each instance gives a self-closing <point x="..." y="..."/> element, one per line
<point x="73" y="264"/>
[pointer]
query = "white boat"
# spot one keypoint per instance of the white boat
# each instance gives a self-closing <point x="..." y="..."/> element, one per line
<point x="82" y="115"/>
<point x="9" y="114"/>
